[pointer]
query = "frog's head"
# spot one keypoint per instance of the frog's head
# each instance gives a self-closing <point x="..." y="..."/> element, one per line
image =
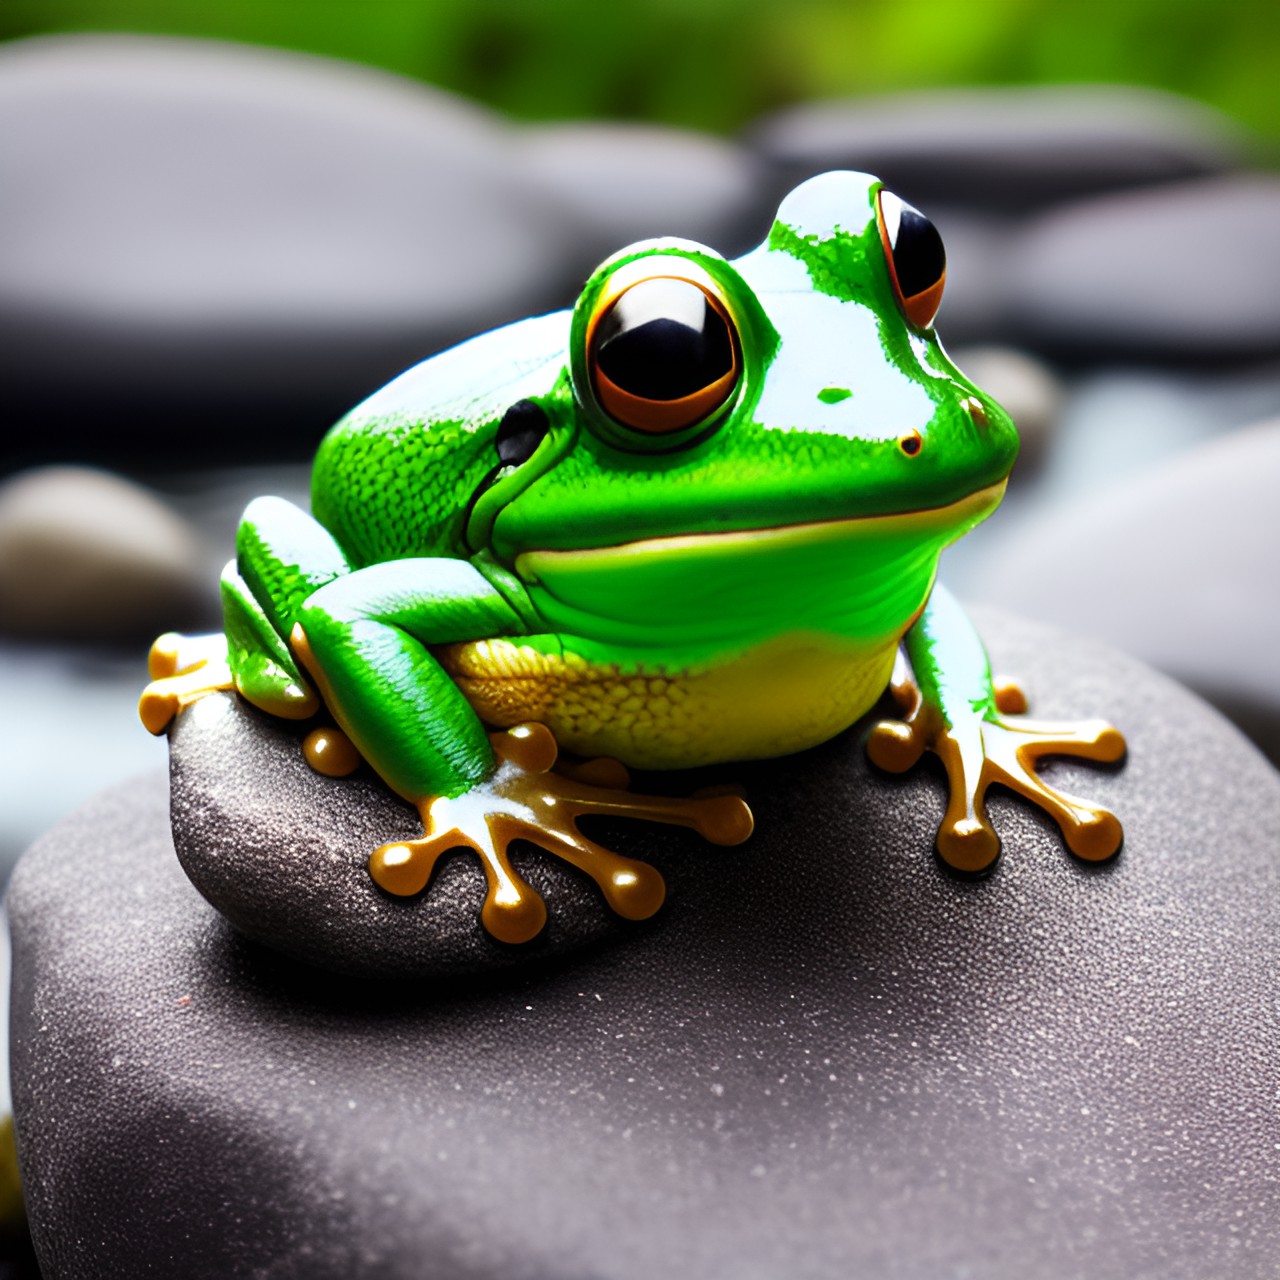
<point x="796" y="393"/>
<point x="777" y="428"/>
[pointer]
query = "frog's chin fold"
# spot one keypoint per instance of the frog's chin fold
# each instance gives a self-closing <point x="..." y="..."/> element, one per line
<point x="741" y="581"/>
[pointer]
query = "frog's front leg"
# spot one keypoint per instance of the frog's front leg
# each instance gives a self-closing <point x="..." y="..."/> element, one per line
<point x="282" y="557"/>
<point x="952" y="708"/>
<point x="363" y="639"/>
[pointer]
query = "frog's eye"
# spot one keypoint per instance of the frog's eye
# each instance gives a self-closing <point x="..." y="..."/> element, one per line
<point x="916" y="258"/>
<point x="662" y="351"/>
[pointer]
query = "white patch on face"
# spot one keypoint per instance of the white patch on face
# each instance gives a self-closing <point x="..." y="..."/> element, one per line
<point x="828" y="343"/>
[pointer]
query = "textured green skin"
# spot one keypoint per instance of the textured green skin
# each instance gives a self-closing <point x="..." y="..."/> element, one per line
<point x="393" y="485"/>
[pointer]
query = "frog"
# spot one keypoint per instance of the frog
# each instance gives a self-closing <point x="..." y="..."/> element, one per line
<point x="695" y="518"/>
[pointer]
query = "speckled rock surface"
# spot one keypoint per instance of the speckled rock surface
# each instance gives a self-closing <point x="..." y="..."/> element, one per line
<point x="283" y="853"/>
<point x="824" y="1058"/>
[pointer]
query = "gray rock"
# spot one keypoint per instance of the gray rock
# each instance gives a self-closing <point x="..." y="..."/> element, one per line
<point x="1177" y="566"/>
<point x="1005" y="148"/>
<point x="974" y="303"/>
<point x="86" y="555"/>
<point x="1181" y="271"/>
<point x="1121" y="424"/>
<point x="825" y="1057"/>
<point x="283" y="853"/>
<point x="627" y="182"/>
<point x="198" y="235"/>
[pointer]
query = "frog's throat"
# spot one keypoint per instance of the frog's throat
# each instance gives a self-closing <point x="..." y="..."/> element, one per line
<point x="945" y="524"/>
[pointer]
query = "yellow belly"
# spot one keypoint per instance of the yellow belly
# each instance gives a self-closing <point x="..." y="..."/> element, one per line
<point x="784" y="696"/>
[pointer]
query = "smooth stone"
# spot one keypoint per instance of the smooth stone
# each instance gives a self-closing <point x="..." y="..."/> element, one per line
<point x="1178" y="567"/>
<point x="825" y="1057"/>
<point x="1026" y="387"/>
<point x="1008" y="148"/>
<point x="87" y="555"/>
<point x="1183" y="271"/>
<point x="1117" y="426"/>
<point x="1120" y="424"/>
<point x="628" y="182"/>
<point x="973" y="303"/>
<point x="205" y="246"/>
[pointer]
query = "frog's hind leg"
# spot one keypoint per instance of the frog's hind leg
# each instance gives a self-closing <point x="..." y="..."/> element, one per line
<point x="953" y="708"/>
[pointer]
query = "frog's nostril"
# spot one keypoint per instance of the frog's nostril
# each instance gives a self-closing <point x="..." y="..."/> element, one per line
<point x="976" y="410"/>
<point x="910" y="442"/>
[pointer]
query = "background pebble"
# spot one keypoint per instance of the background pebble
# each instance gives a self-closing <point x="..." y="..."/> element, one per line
<point x="86" y="555"/>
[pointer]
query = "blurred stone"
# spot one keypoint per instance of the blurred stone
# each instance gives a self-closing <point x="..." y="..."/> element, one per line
<point x="1005" y="149"/>
<point x="204" y="245"/>
<point x="628" y="182"/>
<point x="1181" y="271"/>
<point x="86" y="555"/>
<point x="1120" y="424"/>
<point x="1177" y="566"/>
<point x="974" y="300"/>
<point x="825" y="1057"/>
<point x="1026" y="387"/>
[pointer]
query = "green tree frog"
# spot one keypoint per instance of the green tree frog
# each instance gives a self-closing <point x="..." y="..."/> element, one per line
<point x="697" y="518"/>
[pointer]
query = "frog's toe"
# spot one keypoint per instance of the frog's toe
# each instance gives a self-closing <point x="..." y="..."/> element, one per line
<point x="182" y="669"/>
<point x="1095" y="835"/>
<point x="329" y="751"/>
<point x="525" y="800"/>
<point x="634" y="890"/>
<point x="602" y="771"/>
<point x="1088" y="739"/>
<point x="1014" y="748"/>
<point x="1009" y="697"/>
<point x="968" y="843"/>
<point x="513" y="910"/>
<point x="896" y="745"/>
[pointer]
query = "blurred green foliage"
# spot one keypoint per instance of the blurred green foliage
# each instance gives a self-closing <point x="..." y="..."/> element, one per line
<point x="715" y="64"/>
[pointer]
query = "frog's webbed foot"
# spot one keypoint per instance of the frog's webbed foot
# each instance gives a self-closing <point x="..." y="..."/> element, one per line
<point x="1004" y="747"/>
<point x="523" y="800"/>
<point x="182" y="669"/>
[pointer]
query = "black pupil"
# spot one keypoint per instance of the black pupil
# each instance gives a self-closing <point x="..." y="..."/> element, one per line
<point x="918" y="256"/>
<point x="663" y="340"/>
<point x="520" y="432"/>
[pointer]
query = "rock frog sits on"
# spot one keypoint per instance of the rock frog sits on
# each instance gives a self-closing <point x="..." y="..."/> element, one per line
<point x="696" y="519"/>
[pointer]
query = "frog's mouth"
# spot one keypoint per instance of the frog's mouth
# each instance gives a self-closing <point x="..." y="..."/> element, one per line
<point x="862" y="575"/>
